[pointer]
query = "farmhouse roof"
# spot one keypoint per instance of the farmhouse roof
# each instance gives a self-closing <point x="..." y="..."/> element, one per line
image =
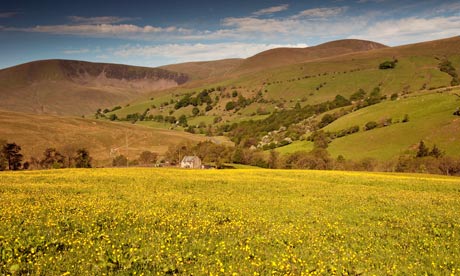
<point x="189" y="158"/>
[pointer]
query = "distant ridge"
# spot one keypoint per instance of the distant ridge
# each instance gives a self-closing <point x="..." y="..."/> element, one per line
<point x="285" y="56"/>
<point x="205" y="69"/>
<point x="69" y="87"/>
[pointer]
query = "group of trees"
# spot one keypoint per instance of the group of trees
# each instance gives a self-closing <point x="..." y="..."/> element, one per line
<point x="202" y="98"/>
<point x="428" y="160"/>
<point x="425" y="160"/>
<point x="240" y="132"/>
<point x="11" y="158"/>
<point x="447" y="67"/>
<point x="146" y="158"/>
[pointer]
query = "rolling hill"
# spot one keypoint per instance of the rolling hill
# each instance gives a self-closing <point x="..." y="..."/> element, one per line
<point x="206" y="69"/>
<point x="104" y="140"/>
<point x="286" y="56"/>
<point x="217" y="96"/>
<point x="417" y="75"/>
<point x="431" y="119"/>
<point x="66" y="87"/>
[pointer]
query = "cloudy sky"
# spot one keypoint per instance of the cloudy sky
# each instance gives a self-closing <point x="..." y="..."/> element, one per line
<point x="153" y="33"/>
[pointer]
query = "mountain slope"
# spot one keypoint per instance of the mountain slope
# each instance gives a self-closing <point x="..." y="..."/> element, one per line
<point x="314" y="82"/>
<point x="286" y="56"/>
<point x="430" y="116"/>
<point x="205" y="69"/>
<point x="75" y="87"/>
<point x="34" y="133"/>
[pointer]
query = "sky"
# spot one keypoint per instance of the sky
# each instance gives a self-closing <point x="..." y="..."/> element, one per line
<point x="153" y="33"/>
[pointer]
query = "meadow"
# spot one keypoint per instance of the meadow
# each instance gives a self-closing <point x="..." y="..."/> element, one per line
<point x="228" y="222"/>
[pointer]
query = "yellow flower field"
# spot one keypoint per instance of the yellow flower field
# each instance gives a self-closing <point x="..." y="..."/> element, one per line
<point x="228" y="222"/>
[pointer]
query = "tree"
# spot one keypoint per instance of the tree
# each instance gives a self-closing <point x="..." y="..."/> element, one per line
<point x="325" y="120"/>
<point x="148" y="157"/>
<point x="387" y="64"/>
<point x="195" y="111"/>
<point x="237" y="156"/>
<point x="273" y="159"/>
<point x="11" y="152"/>
<point x="175" y="153"/>
<point x="183" y="121"/>
<point x="82" y="159"/>
<point x="406" y="118"/>
<point x="370" y="125"/>
<point x="52" y="159"/>
<point x="358" y="95"/>
<point x="113" y="117"/>
<point x="3" y="160"/>
<point x="229" y="106"/>
<point x="320" y="140"/>
<point x="422" y="150"/>
<point x="436" y="152"/>
<point x="120" y="161"/>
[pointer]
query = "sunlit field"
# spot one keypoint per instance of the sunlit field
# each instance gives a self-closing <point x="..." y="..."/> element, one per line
<point x="228" y="222"/>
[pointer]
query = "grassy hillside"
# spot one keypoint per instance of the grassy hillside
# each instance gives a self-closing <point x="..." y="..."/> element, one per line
<point x="35" y="133"/>
<point x="414" y="81"/>
<point x="430" y="119"/>
<point x="203" y="222"/>
<point x="212" y="105"/>
<point x="205" y="69"/>
<point x="285" y="56"/>
<point x="75" y="87"/>
<point x="322" y="79"/>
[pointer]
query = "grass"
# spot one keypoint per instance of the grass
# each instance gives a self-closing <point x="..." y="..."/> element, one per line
<point x="35" y="133"/>
<point x="210" y="222"/>
<point x="427" y="111"/>
<point x="296" y="146"/>
<point x="417" y="68"/>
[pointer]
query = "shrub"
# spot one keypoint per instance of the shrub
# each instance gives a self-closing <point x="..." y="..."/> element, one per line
<point x="406" y="118"/>
<point x="387" y="65"/>
<point x="370" y="125"/>
<point x="120" y="161"/>
<point x="82" y="159"/>
<point x="230" y="106"/>
<point x="358" y="95"/>
<point x="113" y="117"/>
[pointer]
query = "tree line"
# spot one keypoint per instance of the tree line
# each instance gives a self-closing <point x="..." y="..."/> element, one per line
<point x="12" y="159"/>
<point x="425" y="160"/>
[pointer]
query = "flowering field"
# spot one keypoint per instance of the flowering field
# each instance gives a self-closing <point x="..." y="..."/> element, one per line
<point x="230" y="222"/>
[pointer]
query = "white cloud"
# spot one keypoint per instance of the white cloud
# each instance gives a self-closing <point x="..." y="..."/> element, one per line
<point x="367" y="1"/>
<point x="321" y="12"/>
<point x="285" y="28"/>
<point x="7" y="14"/>
<point x="98" y="19"/>
<point x="199" y="51"/>
<point x="271" y="10"/>
<point x="320" y="24"/>
<point x="101" y="30"/>
<point x="448" y="7"/>
<point x="412" y="29"/>
<point x="77" y="51"/>
<point x="250" y="24"/>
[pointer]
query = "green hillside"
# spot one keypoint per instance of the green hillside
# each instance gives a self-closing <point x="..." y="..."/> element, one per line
<point x="266" y="95"/>
<point x="320" y="80"/>
<point x="430" y="119"/>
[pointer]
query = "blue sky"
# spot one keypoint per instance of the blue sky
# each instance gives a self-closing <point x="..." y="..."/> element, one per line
<point x="153" y="33"/>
